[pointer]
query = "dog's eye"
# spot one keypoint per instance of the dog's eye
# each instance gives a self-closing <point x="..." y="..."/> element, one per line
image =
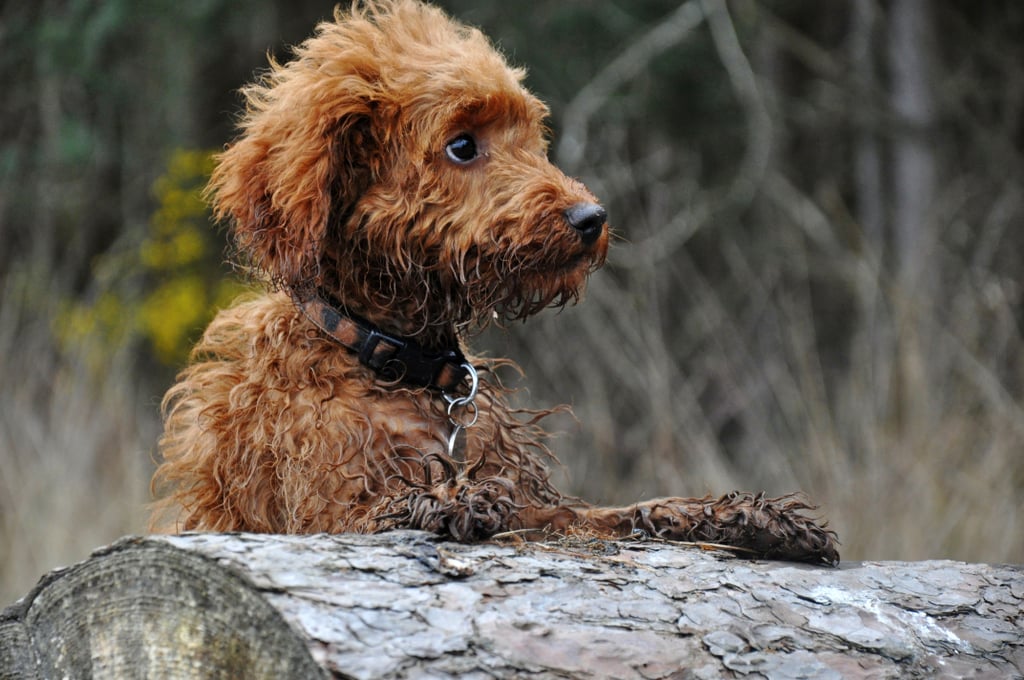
<point x="462" y="149"/>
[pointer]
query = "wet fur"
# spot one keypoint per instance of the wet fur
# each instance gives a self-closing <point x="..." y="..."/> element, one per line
<point x="339" y="182"/>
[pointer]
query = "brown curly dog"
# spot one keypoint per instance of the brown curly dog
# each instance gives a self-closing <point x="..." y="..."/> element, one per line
<point x="391" y="185"/>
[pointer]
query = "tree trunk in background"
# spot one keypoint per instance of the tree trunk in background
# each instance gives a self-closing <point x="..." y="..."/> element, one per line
<point x="913" y="211"/>
<point x="875" y="341"/>
<point x="867" y="171"/>
<point x="913" y="163"/>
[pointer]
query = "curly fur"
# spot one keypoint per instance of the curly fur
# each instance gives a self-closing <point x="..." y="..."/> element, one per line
<point x="339" y="182"/>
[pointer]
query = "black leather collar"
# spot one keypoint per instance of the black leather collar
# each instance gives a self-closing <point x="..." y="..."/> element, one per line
<point x="393" y="358"/>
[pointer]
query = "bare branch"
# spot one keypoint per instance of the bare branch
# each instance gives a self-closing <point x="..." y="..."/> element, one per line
<point x="622" y="69"/>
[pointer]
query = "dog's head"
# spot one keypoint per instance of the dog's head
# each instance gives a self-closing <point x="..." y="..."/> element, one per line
<point x="398" y="163"/>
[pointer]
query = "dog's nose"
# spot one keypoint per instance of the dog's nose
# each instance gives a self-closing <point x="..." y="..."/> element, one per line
<point x="588" y="219"/>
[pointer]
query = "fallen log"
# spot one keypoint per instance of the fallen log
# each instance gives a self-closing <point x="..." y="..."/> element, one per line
<point x="407" y="604"/>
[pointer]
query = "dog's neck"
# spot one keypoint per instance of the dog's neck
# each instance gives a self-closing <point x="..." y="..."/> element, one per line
<point x="370" y="290"/>
<point x="393" y="357"/>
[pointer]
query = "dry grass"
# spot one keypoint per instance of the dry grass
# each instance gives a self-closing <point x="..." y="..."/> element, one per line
<point x="75" y="442"/>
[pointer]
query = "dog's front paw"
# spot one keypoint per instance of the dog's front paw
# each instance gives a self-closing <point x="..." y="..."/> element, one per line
<point x="464" y="510"/>
<point x="774" y="528"/>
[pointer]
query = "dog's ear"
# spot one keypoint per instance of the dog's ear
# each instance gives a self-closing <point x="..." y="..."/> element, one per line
<point x="302" y="159"/>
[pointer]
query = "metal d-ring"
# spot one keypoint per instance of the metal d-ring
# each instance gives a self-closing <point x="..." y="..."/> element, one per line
<point x="468" y="402"/>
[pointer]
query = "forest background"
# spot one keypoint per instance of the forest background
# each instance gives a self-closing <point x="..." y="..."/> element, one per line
<point x="817" y="281"/>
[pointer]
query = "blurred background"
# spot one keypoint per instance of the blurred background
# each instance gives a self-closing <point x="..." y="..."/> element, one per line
<point x="817" y="281"/>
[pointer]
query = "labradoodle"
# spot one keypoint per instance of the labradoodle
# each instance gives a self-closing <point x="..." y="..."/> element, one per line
<point x="390" y="185"/>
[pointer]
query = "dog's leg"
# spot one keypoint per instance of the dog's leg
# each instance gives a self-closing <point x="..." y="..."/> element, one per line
<point x="774" y="528"/>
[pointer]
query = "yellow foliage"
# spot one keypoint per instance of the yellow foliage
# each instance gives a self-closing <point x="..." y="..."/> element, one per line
<point x="227" y="292"/>
<point x="177" y="310"/>
<point x="177" y="261"/>
<point x="179" y="229"/>
<point x="179" y="249"/>
<point x="103" y="323"/>
<point x="170" y="313"/>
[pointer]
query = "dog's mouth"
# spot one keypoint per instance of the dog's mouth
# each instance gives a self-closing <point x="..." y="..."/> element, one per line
<point x="582" y="263"/>
<point x="593" y="254"/>
<point x="545" y="285"/>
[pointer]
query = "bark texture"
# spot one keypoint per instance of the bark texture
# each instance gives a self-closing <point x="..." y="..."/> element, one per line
<point x="406" y="604"/>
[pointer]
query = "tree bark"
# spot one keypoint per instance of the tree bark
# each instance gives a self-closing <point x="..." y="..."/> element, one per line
<point x="407" y="604"/>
